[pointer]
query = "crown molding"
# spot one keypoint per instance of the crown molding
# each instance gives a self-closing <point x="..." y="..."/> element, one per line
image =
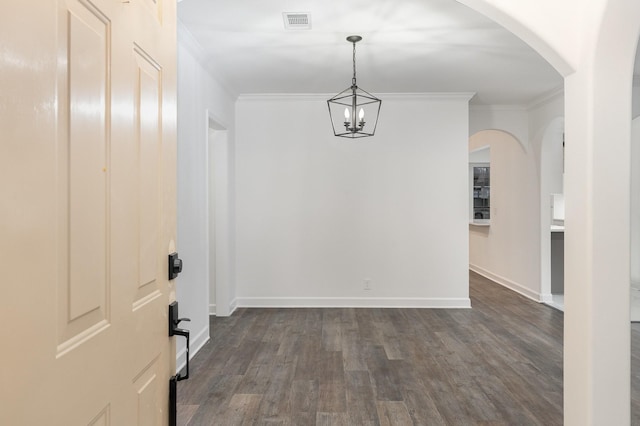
<point x="514" y="107"/>
<point x="283" y="97"/>
<point x="458" y="96"/>
<point x="546" y="98"/>
<point x="540" y="101"/>
<point x="464" y="96"/>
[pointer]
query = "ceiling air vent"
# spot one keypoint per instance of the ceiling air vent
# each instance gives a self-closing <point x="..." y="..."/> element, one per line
<point x="297" y="20"/>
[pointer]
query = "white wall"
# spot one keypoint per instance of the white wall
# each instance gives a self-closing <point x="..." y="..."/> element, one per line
<point x="635" y="110"/>
<point x="318" y="215"/>
<point x="635" y="184"/>
<point x="540" y="116"/>
<point x="635" y="203"/>
<point x="634" y="313"/>
<point x="198" y="93"/>
<point x="512" y="119"/>
<point x="221" y="228"/>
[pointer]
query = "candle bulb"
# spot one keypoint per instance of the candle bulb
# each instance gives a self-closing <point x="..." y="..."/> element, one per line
<point x="346" y="114"/>
<point x="361" y="114"/>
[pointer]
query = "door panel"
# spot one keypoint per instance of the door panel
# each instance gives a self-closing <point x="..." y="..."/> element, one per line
<point x="148" y="89"/>
<point x="87" y="162"/>
<point x="148" y="388"/>
<point x="82" y="174"/>
<point x="102" y="419"/>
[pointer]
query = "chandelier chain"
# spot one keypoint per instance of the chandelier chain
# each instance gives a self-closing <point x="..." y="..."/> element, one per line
<point x="353" y="81"/>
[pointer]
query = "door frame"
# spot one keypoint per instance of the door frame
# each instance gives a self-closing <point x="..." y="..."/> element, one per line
<point x="221" y="297"/>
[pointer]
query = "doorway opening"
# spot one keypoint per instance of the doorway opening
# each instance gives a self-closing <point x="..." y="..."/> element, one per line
<point x="506" y="221"/>
<point x="218" y="204"/>
<point x="552" y="214"/>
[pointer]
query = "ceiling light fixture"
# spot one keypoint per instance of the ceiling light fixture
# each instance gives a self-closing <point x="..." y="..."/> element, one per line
<point x="356" y="103"/>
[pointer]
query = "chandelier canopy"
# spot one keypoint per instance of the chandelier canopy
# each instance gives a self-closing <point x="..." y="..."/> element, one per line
<point x="349" y="108"/>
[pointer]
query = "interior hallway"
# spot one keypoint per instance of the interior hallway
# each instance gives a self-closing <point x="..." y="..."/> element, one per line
<point x="499" y="363"/>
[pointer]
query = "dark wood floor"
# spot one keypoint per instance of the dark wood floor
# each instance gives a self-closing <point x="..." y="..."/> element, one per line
<point x="499" y="363"/>
<point x="635" y="373"/>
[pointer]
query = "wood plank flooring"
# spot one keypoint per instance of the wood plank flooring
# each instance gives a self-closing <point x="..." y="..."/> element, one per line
<point x="499" y="363"/>
<point x="635" y="373"/>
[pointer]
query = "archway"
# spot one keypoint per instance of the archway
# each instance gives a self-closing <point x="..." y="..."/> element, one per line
<point x="596" y="56"/>
<point x="506" y="251"/>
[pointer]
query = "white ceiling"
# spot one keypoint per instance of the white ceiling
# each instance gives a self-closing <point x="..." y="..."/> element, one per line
<point x="408" y="46"/>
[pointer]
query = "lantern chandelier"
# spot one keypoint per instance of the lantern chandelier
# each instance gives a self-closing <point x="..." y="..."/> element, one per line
<point x="350" y="122"/>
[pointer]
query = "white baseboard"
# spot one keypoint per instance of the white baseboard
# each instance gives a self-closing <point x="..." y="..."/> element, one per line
<point x="197" y="342"/>
<point x="232" y="308"/>
<point x="555" y="305"/>
<point x="348" y="302"/>
<point x="546" y="298"/>
<point x="528" y="293"/>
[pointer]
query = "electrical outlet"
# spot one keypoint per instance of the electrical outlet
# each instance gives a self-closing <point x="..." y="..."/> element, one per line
<point x="367" y="284"/>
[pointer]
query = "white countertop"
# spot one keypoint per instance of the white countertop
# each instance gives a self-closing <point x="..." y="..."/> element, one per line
<point x="480" y="222"/>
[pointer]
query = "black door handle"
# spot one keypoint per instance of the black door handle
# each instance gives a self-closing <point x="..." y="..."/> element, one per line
<point x="174" y="321"/>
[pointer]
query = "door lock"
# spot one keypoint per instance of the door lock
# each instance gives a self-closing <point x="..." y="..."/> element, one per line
<point x="175" y="265"/>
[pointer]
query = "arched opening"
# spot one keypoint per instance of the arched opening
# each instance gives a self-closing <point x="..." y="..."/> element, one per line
<point x="597" y="184"/>
<point x="506" y="250"/>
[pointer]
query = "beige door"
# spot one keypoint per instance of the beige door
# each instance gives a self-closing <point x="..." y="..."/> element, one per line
<point x="87" y="210"/>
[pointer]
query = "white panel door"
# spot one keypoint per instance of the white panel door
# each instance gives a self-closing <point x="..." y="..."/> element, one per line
<point x="87" y="213"/>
